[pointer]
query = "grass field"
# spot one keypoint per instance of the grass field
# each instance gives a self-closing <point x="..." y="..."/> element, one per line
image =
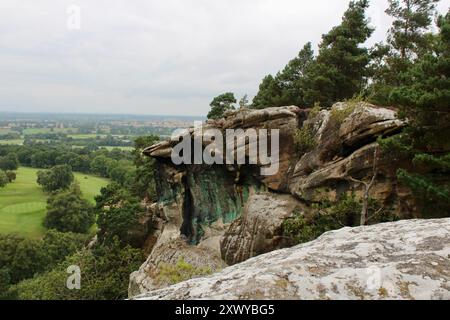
<point x="23" y="204"/>
<point x="9" y="142"/>
<point x="120" y="148"/>
<point x="48" y="130"/>
<point x="86" y="136"/>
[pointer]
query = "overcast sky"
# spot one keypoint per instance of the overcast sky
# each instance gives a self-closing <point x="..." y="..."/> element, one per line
<point x="153" y="57"/>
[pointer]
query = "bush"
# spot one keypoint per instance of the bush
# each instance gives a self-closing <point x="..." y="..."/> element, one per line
<point x="3" y="179"/>
<point x="58" y="178"/>
<point x="169" y="274"/>
<point x="118" y="220"/>
<point x="11" y="176"/>
<point x="432" y="198"/>
<point x="339" y="115"/>
<point x="22" y="258"/>
<point x="301" y="228"/>
<point x="68" y="212"/>
<point x="9" y="162"/>
<point x="304" y="139"/>
<point x="314" y="112"/>
<point x="105" y="275"/>
<point x="327" y="216"/>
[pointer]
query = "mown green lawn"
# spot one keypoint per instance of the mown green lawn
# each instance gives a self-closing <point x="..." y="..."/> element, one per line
<point x="23" y="204"/>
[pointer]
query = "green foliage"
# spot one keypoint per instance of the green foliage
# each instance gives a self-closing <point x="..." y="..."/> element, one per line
<point x="5" y="282"/>
<point x="220" y="105"/>
<point x="6" y="177"/>
<point x="100" y="165"/>
<point x="423" y="98"/>
<point x="425" y="94"/>
<point x="304" y="139"/>
<point x="3" y="179"/>
<point x="59" y="245"/>
<point x="12" y="176"/>
<point x="22" y="258"/>
<point x="433" y="195"/>
<point x="301" y="228"/>
<point x="29" y="259"/>
<point x="327" y="216"/>
<point x="169" y="274"/>
<point x="118" y="221"/>
<point x="286" y="88"/>
<point x="397" y="147"/>
<point x="10" y="162"/>
<point x="408" y="39"/>
<point x="118" y="213"/>
<point x="268" y="91"/>
<point x="144" y="184"/>
<point x="433" y="163"/>
<point x="340" y="114"/>
<point x="412" y="18"/>
<point x="58" y="178"/>
<point x="105" y="276"/>
<point x="68" y="212"/>
<point x="340" y="70"/>
<point x="315" y="110"/>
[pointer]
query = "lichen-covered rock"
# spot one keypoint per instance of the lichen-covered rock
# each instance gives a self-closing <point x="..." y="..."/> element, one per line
<point x="404" y="260"/>
<point x="259" y="230"/>
<point x="345" y="140"/>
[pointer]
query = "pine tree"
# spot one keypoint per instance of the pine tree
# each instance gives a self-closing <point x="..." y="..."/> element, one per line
<point x="424" y="99"/>
<point x="290" y="79"/>
<point x="221" y="104"/>
<point x="286" y="88"/>
<point x="268" y="93"/>
<point x="408" y="34"/>
<point x="340" y="70"/>
<point x="408" y="39"/>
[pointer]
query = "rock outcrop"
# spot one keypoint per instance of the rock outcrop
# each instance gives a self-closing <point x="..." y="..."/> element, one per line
<point x="259" y="230"/>
<point x="404" y="260"/>
<point x="235" y="212"/>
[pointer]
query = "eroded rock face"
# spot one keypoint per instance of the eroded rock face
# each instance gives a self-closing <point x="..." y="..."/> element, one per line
<point x="404" y="260"/>
<point x="345" y="142"/>
<point x="259" y="230"/>
<point x="250" y="208"/>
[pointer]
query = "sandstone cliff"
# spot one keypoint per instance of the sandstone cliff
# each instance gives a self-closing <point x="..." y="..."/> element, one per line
<point x="212" y="215"/>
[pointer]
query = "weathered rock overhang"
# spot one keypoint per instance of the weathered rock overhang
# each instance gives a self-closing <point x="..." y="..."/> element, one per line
<point x="230" y="213"/>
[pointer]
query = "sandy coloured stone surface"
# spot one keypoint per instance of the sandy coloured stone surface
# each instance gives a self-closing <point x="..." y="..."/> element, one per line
<point x="409" y="259"/>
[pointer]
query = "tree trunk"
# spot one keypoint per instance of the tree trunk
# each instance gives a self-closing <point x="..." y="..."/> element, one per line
<point x="365" y="208"/>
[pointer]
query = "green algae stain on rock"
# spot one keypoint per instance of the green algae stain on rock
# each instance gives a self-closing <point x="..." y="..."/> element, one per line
<point x="215" y="195"/>
<point x="207" y="194"/>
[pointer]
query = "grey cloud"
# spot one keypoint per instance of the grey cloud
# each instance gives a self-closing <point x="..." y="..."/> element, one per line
<point x="147" y="56"/>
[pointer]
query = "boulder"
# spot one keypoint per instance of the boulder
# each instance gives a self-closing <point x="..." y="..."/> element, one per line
<point x="404" y="260"/>
<point x="259" y="230"/>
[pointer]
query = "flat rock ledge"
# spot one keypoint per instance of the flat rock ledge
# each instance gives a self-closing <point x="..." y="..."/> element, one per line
<point x="404" y="260"/>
